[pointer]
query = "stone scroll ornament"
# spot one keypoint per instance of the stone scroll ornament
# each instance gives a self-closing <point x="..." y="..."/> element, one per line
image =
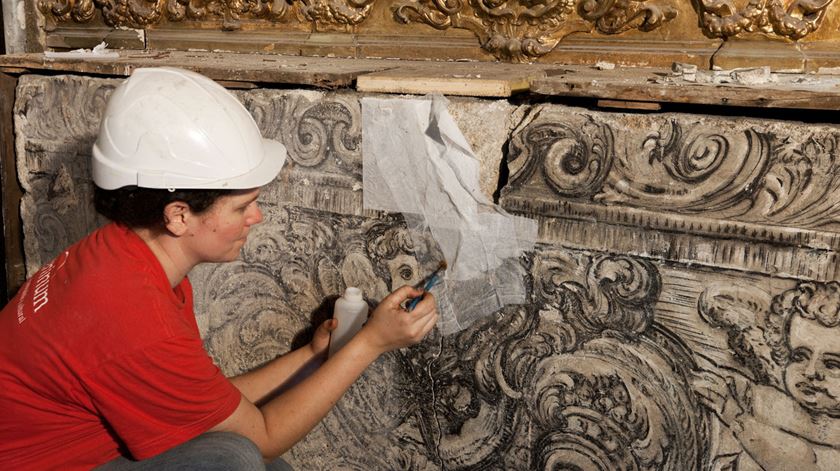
<point x="582" y="378"/>
<point x="742" y="171"/>
<point x="521" y="31"/>
<point x="790" y="19"/>
<point x="323" y="14"/>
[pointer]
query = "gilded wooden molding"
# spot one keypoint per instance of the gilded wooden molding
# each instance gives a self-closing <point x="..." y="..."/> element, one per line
<point x="325" y="14"/>
<point x="791" y="20"/>
<point x="522" y="31"/>
<point x="331" y="14"/>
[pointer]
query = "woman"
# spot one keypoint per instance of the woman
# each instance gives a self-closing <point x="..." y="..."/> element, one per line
<point x="101" y="363"/>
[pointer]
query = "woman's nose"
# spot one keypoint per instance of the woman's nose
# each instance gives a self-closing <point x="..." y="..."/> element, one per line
<point x="255" y="216"/>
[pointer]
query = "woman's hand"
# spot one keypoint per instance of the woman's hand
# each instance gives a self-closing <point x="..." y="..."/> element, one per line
<point x="321" y="339"/>
<point x="391" y="327"/>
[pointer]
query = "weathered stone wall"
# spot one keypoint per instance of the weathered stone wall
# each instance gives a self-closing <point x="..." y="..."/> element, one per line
<point x="674" y="250"/>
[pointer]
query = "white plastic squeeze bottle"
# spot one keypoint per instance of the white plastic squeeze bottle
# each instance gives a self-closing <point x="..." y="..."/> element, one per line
<point x="351" y="310"/>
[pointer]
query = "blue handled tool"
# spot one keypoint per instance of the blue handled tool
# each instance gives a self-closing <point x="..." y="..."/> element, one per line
<point x="430" y="282"/>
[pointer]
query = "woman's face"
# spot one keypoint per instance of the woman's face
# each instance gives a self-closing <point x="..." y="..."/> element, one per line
<point x="813" y="375"/>
<point x="218" y="234"/>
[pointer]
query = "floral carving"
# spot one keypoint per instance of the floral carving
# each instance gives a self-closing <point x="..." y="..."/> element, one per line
<point x="325" y="14"/>
<point x="616" y="16"/>
<point x="331" y="13"/>
<point x="80" y="11"/>
<point x="749" y="172"/>
<point x="790" y="19"/>
<point x="698" y="168"/>
<point x="575" y="157"/>
<point x="325" y="129"/>
<point x="521" y="30"/>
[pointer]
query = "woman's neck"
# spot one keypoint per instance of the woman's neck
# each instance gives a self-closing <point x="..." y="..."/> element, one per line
<point x="175" y="261"/>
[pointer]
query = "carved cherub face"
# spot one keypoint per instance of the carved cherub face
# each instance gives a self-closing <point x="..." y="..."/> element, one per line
<point x="404" y="270"/>
<point x="812" y="376"/>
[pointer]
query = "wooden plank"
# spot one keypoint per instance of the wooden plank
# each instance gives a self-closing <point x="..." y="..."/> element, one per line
<point x="492" y="79"/>
<point x="630" y="105"/>
<point x="256" y="68"/>
<point x="658" y="85"/>
<point x="14" y="269"/>
<point x="468" y="79"/>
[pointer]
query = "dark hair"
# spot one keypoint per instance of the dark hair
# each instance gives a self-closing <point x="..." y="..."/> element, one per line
<point x="143" y="207"/>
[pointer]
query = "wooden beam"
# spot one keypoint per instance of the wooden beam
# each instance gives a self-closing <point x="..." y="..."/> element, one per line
<point x="14" y="268"/>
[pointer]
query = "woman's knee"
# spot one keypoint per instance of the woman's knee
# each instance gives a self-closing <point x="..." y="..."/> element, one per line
<point x="227" y="450"/>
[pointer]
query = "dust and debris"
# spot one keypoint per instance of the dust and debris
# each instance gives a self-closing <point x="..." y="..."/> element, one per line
<point x="688" y="72"/>
<point x="828" y="71"/>
<point x="100" y="51"/>
<point x="741" y="76"/>
<point x="752" y="76"/>
<point x="357" y="187"/>
<point x="602" y="65"/>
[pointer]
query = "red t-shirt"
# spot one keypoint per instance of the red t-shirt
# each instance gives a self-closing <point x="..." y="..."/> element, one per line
<point x="99" y="354"/>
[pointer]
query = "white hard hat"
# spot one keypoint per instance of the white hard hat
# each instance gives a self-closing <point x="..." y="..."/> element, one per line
<point x="172" y="128"/>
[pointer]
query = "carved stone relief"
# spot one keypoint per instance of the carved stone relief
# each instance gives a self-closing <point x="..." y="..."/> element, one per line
<point x="792" y="19"/>
<point x="60" y="120"/>
<point x="522" y="31"/>
<point x="325" y="14"/>
<point x="658" y="335"/>
<point x="749" y="178"/>
<point x="784" y="380"/>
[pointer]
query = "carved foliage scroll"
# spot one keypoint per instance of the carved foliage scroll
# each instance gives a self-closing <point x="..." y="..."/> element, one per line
<point x="323" y="14"/>
<point x="522" y="30"/>
<point x="791" y="19"/>
<point x="751" y="172"/>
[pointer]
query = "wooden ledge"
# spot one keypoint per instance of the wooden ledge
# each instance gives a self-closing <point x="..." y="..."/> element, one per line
<point x="794" y="90"/>
<point x="641" y="87"/>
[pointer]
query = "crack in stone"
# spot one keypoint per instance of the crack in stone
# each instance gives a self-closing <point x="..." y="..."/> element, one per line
<point x="434" y="401"/>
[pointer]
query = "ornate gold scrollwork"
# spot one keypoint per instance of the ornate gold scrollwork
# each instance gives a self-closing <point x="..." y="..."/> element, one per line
<point x="141" y="13"/>
<point x="522" y="30"/>
<point x="792" y="19"/>
<point x="80" y="11"/>
<point x="616" y="16"/>
<point x="336" y="13"/>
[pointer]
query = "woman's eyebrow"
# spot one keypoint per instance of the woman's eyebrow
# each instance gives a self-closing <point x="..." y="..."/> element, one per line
<point x="251" y="200"/>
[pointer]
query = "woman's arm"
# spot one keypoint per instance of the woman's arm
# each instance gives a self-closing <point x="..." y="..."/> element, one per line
<point x="285" y="419"/>
<point x="258" y="384"/>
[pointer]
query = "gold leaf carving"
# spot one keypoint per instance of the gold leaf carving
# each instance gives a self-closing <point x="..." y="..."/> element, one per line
<point x="616" y="16"/>
<point x="142" y="13"/>
<point x="332" y="13"/>
<point x="792" y="19"/>
<point x="79" y="11"/>
<point x="521" y="30"/>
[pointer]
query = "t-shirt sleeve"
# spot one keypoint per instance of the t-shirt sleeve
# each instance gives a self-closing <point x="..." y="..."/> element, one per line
<point x="162" y="395"/>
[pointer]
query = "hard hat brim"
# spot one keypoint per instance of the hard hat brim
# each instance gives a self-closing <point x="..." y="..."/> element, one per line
<point x="274" y="156"/>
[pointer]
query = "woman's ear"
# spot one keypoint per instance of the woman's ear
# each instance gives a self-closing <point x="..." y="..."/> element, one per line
<point x="175" y="217"/>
